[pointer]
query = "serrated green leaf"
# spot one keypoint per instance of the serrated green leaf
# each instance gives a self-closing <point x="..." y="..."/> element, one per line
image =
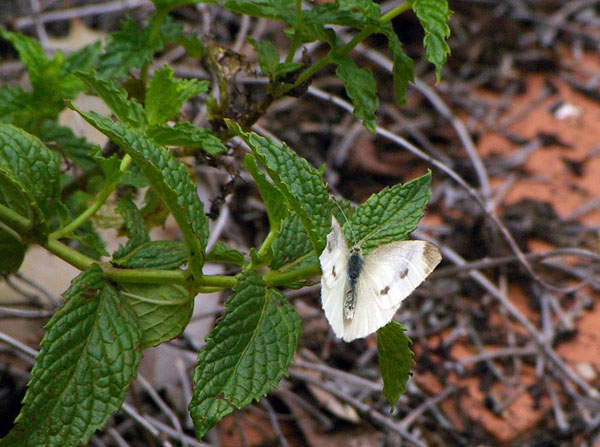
<point x="268" y="56"/>
<point x="193" y="46"/>
<point x="220" y="253"/>
<point x="65" y="142"/>
<point x="188" y="135"/>
<point x="171" y="4"/>
<point x="33" y="165"/>
<point x="366" y="8"/>
<point x="88" y="356"/>
<point x="403" y="65"/>
<point x="14" y="104"/>
<point x="31" y="54"/>
<point x="12" y="251"/>
<point x="361" y="88"/>
<point x="272" y="197"/>
<point x="391" y="214"/>
<point x="168" y="176"/>
<point x="395" y="360"/>
<point x="134" y="225"/>
<point x="166" y="96"/>
<point x="163" y="255"/>
<point x="51" y="79"/>
<point x="16" y="197"/>
<point x="84" y="58"/>
<point x="124" y="108"/>
<point x="131" y="47"/>
<point x="270" y="9"/>
<point x="291" y="242"/>
<point x="163" y="310"/>
<point x="300" y="184"/>
<point x="434" y="16"/>
<point x="246" y="354"/>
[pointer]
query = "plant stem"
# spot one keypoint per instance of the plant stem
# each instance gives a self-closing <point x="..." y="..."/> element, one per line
<point x="295" y="43"/>
<point x="395" y="12"/>
<point x="14" y="220"/>
<point x="89" y="212"/>
<point x="346" y="49"/>
<point x="69" y="255"/>
<point x="140" y="276"/>
<point x="83" y="217"/>
<point x="273" y="279"/>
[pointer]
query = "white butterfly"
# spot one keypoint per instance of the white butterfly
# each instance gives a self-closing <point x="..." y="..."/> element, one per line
<point x="360" y="295"/>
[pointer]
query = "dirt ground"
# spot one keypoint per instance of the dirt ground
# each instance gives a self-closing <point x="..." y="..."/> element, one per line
<point x="507" y="351"/>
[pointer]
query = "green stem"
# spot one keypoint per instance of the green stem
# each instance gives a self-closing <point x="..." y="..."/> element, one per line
<point x="346" y="49"/>
<point x="295" y="43"/>
<point x="69" y="255"/>
<point x="83" y="217"/>
<point x="157" y="21"/>
<point x="395" y="12"/>
<point x="89" y="212"/>
<point x="14" y="220"/>
<point x="139" y="276"/>
<point x="274" y="279"/>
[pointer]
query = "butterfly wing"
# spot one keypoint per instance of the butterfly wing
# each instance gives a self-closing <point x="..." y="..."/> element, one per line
<point x="334" y="265"/>
<point x="389" y="275"/>
<point x="401" y="266"/>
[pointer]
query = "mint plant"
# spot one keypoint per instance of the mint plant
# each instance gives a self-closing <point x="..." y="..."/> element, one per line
<point x="52" y="183"/>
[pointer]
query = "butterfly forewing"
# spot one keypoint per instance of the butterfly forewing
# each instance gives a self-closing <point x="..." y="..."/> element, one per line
<point x="393" y="271"/>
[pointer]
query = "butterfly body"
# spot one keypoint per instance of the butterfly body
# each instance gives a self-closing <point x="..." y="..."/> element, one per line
<point x="360" y="293"/>
<point x="355" y="265"/>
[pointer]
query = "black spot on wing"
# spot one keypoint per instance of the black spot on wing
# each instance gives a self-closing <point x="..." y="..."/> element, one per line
<point x="333" y="272"/>
<point x="402" y="274"/>
<point x="384" y="291"/>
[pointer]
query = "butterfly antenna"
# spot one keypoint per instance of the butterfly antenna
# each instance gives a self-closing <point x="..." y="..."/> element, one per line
<point x="374" y="233"/>
<point x="346" y="218"/>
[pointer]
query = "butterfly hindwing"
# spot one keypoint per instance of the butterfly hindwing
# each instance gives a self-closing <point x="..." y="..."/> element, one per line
<point x="334" y="265"/>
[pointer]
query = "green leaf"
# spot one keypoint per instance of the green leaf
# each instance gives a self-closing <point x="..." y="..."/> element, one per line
<point x="62" y="140"/>
<point x="270" y="9"/>
<point x="395" y="360"/>
<point x="163" y="255"/>
<point x="51" y="79"/>
<point x="34" y="166"/>
<point x="84" y="58"/>
<point x="220" y="253"/>
<point x="268" y="56"/>
<point x="31" y="54"/>
<point x="300" y="184"/>
<point x="188" y="135"/>
<point x="163" y="310"/>
<point x="361" y="88"/>
<point x="12" y="249"/>
<point x="15" y="104"/>
<point x="127" y="110"/>
<point x="166" y="96"/>
<point x="168" y="176"/>
<point x="16" y="197"/>
<point x="434" y="16"/>
<point x="88" y="356"/>
<point x="134" y="225"/>
<point x="272" y="197"/>
<point x="403" y="65"/>
<point x="132" y="47"/>
<point x="193" y="46"/>
<point x="291" y="242"/>
<point x="391" y="214"/>
<point x="246" y="354"/>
